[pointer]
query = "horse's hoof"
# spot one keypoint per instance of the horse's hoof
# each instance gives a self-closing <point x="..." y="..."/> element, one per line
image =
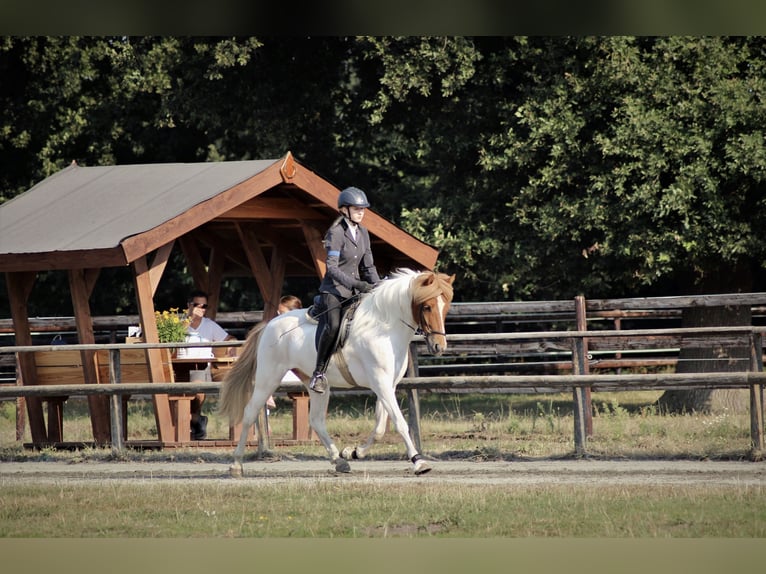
<point x="347" y="453"/>
<point x="342" y="465"/>
<point x="235" y="471"/>
<point x="421" y="467"/>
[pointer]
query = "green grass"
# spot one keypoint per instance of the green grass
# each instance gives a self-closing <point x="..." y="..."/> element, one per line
<point x="337" y="510"/>
<point x="477" y="427"/>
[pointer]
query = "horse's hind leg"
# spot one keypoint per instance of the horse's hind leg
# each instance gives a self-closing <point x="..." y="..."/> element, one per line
<point x="381" y="420"/>
<point x="253" y="407"/>
<point x="248" y="419"/>
<point x="317" y="417"/>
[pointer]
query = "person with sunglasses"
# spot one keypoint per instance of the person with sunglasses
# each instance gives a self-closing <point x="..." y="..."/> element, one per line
<point x="201" y="329"/>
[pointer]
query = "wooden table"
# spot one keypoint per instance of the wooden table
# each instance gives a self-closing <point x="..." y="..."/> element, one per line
<point x="183" y="366"/>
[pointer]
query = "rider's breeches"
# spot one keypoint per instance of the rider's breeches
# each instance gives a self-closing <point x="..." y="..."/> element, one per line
<point x="327" y="330"/>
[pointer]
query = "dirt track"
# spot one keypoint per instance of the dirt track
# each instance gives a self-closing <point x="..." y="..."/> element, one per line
<point x="587" y="471"/>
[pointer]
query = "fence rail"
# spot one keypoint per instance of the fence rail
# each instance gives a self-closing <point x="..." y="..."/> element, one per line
<point x="749" y="375"/>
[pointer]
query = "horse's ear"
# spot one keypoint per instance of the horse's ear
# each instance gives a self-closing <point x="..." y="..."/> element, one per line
<point x="451" y="279"/>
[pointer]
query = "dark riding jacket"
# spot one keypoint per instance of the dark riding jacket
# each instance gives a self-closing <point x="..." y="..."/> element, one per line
<point x="349" y="260"/>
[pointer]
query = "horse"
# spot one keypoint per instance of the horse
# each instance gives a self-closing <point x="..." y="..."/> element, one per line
<point x="373" y="355"/>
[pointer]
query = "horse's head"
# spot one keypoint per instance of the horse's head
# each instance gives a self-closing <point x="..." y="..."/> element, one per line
<point x="431" y="298"/>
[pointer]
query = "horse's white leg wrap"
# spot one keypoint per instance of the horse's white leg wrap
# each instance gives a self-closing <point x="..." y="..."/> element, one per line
<point x="420" y="465"/>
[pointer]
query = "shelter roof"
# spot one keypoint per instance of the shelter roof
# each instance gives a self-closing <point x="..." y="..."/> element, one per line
<point x="108" y="216"/>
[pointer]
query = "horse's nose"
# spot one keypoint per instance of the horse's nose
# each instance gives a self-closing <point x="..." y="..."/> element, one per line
<point x="437" y="348"/>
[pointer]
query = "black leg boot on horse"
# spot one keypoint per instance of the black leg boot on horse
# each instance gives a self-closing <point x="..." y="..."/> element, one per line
<point x="326" y="339"/>
<point x="325" y="345"/>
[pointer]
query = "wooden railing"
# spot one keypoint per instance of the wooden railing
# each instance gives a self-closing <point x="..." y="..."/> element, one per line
<point x="574" y="344"/>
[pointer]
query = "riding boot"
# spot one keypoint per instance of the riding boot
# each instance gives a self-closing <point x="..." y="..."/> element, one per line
<point x="318" y="382"/>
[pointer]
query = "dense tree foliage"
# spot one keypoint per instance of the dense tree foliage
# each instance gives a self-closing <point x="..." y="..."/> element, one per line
<point x="540" y="167"/>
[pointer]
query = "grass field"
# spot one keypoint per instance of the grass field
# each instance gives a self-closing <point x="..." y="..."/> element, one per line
<point x="480" y="427"/>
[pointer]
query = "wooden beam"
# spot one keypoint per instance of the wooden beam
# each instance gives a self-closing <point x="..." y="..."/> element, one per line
<point x="81" y="284"/>
<point x="277" y="271"/>
<point x="289" y="244"/>
<point x="162" y="413"/>
<point x="316" y="247"/>
<point x="159" y="263"/>
<point x="194" y="260"/>
<point x="232" y="248"/>
<point x="214" y="279"/>
<point x="63" y="260"/>
<point x="272" y="208"/>
<point x="19" y="287"/>
<point x="257" y="259"/>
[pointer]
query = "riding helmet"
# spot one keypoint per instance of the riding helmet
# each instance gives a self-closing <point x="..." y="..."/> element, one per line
<point x="352" y="196"/>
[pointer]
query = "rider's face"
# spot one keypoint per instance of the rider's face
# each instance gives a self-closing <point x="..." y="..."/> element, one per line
<point x="355" y="214"/>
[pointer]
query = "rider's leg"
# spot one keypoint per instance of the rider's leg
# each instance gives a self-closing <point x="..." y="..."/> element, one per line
<point x="329" y="324"/>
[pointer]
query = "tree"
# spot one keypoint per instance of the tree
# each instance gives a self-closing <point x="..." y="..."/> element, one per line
<point x="541" y="167"/>
<point x="627" y="165"/>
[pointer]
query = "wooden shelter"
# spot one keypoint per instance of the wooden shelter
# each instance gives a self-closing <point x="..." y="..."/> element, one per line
<point x="265" y="217"/>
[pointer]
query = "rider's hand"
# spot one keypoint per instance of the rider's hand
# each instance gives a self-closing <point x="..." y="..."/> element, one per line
<point x="363" y="286"/>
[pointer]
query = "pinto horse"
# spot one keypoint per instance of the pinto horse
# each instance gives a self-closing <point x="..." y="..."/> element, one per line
<point x="374" y="355"/>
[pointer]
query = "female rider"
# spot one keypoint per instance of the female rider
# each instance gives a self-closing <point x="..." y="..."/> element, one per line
<point x="350" y="272"/>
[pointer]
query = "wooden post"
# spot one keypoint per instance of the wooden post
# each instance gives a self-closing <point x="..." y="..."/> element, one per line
<point x="413" y="399"/>
<point x="21" y="406"/>
<point x="115" y="403"/>
<point x="756" y="398"/>
<point x="582" y="325"/>
<point x="162" y="414"/>
<point x="301" y="428"/>
<point x="578" y="395"/>
<point x="81" y="283"/>
<point x="19" y="287"/>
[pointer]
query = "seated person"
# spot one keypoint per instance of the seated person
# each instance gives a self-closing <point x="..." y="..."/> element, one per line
<point x="201" y="329"/>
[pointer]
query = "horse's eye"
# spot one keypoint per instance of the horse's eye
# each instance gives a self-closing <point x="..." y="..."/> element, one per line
<point x="426" y="307"/>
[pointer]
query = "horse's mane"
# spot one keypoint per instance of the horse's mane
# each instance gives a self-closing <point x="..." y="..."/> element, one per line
<point x="392" y="298"/>
<point x="425" y="288"/>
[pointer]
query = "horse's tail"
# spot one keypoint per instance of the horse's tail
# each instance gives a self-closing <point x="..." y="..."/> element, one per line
<point x="238" y="383"/>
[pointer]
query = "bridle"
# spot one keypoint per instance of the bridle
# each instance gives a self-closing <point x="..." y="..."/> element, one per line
<point x="423" y="328"/>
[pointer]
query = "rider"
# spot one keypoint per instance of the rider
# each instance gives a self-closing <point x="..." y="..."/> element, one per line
<point x="350" y="272"/>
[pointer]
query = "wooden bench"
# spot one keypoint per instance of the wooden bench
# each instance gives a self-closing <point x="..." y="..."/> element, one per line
<point x="58" y="368"/>
<point x="134" y="368"/>
<point x="66" y="367"/>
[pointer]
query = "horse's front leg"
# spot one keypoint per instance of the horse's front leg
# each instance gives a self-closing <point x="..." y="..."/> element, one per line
<point x="381" y="420"/>
<point x="387" y="397"/>
<point x="317" y="420"/>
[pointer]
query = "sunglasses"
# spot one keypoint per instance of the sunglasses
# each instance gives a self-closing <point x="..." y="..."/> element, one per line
<point x="202" y="305"/>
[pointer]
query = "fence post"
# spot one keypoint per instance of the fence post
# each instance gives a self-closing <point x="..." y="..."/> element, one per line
<point x="413" y="399"/>
<point x="21" y="405"/>
<point x="756" y="398"/>
<point x="582" y="325"/>
<point x="578" y="397"/>
<point x="115" y="402"/>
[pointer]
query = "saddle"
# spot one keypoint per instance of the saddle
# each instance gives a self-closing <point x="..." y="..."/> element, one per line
<point x="315" y="311"/>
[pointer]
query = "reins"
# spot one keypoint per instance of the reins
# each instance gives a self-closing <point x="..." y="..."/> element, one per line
<point x="302" y="322"/>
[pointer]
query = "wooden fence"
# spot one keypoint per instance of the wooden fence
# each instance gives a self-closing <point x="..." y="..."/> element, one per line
<point x="579" y="381"/>
<point x="535" y="346"/>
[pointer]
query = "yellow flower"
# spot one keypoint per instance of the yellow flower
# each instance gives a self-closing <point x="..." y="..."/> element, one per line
<point x="171" y="325"/>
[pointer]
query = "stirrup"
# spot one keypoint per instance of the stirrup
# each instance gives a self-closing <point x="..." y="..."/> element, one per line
<point x="318" y="382"/>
